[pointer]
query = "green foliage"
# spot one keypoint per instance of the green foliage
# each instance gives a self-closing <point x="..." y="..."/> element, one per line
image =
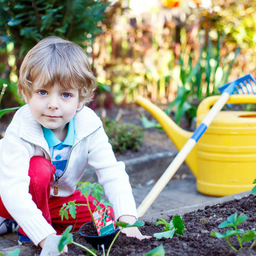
<point x="176" y="226"/>
<point x="182" y="105"/>
<point x="125" y="136"/>
<point x="27" y="22"/>
<point x="6" y="110"/>
<point x="123" y="225"/>
<point x="149" y="124"/>
<point x="242" y="236"/>
<point x="87" y="188"/>
<point x="16" y="252"/>
<point x="254" y="188"/>
<point x="67" y="238"/>
<point x="68" y="208"/>
<point x="158" y="251"/>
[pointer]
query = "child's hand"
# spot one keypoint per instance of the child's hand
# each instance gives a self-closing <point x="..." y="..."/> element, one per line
<point x="134" y="231"/>
<point x="50" y="245"/>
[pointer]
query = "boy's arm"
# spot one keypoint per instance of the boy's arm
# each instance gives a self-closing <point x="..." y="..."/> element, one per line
<point x="111" y="175"/>
<point x="15" y="156"/>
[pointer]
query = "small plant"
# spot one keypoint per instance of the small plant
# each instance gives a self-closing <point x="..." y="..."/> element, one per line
<point x="158" y="251"/>
<point x="123" y="225"/>
<point x="176" y="226"/>
<point x="254" y="188"/>
<point x="87" y="188"/>
<point x="67" y="237"/>
<point x="242" y="236"/>
<point x="16" y="252"/>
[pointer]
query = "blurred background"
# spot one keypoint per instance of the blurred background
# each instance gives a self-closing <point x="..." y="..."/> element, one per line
<point x="175" y="52"/>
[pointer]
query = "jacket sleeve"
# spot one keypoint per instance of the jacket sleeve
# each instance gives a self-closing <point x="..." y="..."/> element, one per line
<point x="111" y="175"/>
<point x="15" y="155"/>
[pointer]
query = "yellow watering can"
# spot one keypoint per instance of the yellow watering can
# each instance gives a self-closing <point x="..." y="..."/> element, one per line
<point x="224" y="159"/>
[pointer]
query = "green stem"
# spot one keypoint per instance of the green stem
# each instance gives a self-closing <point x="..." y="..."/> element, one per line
<point x="2" y="92"/>
<point x="103" y="250"/>
<point x="238" y="238"/>
<point x="85" y="248"/>
<point x="113" y="241"/>
<point x="231" y="245"/>
<point x="89" y="208"/>
<point x="253" y="243"/>
<point x="239" y="241"/>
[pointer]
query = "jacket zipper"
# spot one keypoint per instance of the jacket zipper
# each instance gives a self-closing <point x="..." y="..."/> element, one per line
<point x="56" y="178"/>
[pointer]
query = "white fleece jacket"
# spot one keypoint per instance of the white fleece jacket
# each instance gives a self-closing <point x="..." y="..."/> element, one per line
<point x="24" y="139"/>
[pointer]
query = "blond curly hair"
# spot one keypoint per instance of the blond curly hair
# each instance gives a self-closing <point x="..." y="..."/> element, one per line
<point x="56" y="60"/>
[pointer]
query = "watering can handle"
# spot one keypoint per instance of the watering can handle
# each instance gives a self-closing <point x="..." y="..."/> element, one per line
<point x="207" y="103"/>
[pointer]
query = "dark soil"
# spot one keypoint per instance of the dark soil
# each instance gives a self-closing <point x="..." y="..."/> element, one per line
<point x="196" y="241"/>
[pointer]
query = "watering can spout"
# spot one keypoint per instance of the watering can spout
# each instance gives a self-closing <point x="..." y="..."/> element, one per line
<point x="177" y="135"/>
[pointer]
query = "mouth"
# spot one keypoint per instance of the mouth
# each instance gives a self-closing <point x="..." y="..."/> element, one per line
<point x="52" y="117"/>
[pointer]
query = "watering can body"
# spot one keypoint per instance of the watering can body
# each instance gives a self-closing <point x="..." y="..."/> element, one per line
<point x="224" y="159"/>
<point x="226" y="152"/>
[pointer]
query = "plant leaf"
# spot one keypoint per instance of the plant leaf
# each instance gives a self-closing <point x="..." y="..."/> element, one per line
<point x="229" y="233"/>
<point x="16" y="252"/>
<point x="225" y="224"/>
<point x="66" y="238"/>
<point x="241" y="219"/>
<point x="254" y="190"/>
<point x="149" y="124"/>
<point x="232" y="218"/>
<point x="158" y="251"/>
<point x="217" y="234"/>
<point x="6" y="110"/>
<point x="248" y="235"/>
<point x="126" y="225"/>
<point x="165" y="234"/>
<point x="178" y="224"/>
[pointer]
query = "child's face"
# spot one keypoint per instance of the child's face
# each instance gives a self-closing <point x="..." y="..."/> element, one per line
<point x="53" y="106"/>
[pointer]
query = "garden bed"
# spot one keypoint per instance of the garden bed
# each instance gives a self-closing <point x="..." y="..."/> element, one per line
<point x="196" y="240"/>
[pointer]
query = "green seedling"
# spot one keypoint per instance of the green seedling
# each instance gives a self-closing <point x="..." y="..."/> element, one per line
<point x="226" y="235"/>
<point x="121" y="226"/>
<point x="254" y="188"/>
<point x="242" y="236"/>
<point x="16" y="252"/>
<point x="96" y="191"/>
<point x="158" y="251"/>
<point x="67" y="237"/>
<point x="176" y="226"/>
<point x="87" y="188"/>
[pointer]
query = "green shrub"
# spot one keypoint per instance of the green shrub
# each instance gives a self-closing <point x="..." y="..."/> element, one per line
<point x="125" y="136"/>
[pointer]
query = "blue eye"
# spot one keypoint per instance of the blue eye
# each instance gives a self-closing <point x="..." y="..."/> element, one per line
<point x="42" y="92"/>
<point x="66" y="95"/>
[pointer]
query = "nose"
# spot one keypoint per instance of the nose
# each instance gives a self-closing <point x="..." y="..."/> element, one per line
<point x="53" y="102"/>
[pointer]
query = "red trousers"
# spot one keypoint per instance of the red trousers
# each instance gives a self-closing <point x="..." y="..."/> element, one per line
<point x="41" y="174"/>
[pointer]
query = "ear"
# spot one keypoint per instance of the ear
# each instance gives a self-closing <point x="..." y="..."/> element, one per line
<point x="24" y="96"/>
<point x="79" y="106"/>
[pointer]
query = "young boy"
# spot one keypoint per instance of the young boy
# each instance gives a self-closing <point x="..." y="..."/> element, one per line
<point x="51" y="140"/>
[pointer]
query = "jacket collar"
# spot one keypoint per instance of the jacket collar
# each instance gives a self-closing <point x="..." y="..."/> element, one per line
<point x="85" y="121"/>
